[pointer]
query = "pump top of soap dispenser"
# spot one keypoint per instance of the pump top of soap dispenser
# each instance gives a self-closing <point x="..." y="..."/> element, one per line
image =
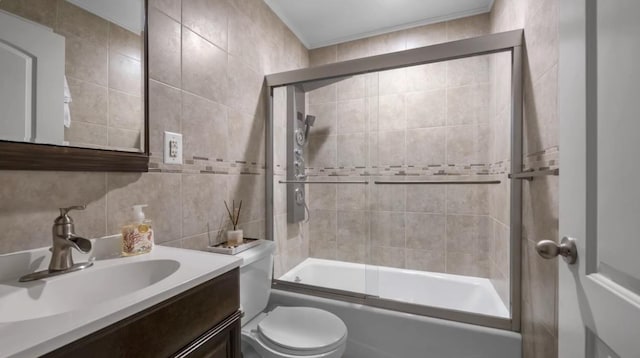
<point x="138" y="214"/>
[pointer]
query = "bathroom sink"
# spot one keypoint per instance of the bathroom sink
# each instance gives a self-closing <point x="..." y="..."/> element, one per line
<point x="79" y="290"/>
<point x="40" y="316"/>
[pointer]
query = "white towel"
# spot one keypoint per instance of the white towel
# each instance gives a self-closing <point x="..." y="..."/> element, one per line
<point x="67" y="100"/>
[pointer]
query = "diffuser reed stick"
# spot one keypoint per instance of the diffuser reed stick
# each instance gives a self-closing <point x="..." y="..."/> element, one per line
<point x="234" y="213"/>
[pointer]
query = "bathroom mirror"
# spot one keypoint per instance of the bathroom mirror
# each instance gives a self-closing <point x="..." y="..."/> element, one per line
<point x="74" y="82"/>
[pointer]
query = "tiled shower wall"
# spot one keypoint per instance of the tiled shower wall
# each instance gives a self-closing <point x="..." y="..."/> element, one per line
<point x="445" y="120"/>
<point x="499" y="195"/>
<point x="103" y="70"/>
<point x="207" y="59"/>
<point x="410" y="123"/>
<point x="540" y="196"/>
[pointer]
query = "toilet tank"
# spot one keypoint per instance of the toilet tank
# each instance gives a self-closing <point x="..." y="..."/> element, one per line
<point x="255" y="279"/>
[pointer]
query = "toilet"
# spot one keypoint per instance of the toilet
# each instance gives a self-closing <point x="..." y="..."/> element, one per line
<point x="283" y="332"/>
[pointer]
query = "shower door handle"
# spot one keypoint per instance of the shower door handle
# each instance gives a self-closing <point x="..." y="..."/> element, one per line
<point x="567" y="249"/>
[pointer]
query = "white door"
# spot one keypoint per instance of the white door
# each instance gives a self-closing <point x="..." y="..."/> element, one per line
<point x="599" y="110"/>
<point x="31" y="81"/>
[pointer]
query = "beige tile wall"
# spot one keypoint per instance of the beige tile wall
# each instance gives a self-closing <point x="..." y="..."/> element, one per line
<point x="104" y="73"/>
<point x="398" y="122"/>
<point x="499" y="195"/>
<point x="440" y="229"/>
<point x="540" y="197"/>
<point x="207" y="62"/>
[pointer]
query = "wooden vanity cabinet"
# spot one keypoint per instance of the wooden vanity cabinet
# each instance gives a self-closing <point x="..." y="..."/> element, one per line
<point x="201" y="322"/>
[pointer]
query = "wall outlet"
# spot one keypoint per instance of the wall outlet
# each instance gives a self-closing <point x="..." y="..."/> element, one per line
<point x="172" y="148"/>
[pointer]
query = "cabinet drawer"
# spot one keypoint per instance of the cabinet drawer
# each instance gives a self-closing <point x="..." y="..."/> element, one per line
<point x="164" y="329"/>
<point x="222" y="341"/>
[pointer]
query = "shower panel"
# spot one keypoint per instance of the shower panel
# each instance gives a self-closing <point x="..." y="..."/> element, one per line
<point x="298" y="127"/>
<point x="297" y="131"/>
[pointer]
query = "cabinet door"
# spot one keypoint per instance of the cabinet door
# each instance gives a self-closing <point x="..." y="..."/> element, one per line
<point x="165" y="328"/>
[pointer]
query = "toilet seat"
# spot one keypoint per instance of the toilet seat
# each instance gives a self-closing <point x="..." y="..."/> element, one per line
<point x="302" y="330"/>
<point x="299" y="332"/>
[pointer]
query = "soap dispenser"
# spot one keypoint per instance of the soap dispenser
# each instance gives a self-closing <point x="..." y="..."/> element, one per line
<point x="137" y="237"/>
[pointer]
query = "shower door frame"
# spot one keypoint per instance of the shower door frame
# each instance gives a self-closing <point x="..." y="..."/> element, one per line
<point x="510" y="41"/>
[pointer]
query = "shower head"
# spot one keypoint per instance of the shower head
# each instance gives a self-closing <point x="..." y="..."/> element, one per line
<point x="308" y="123"/>
<point x="309" y="120"/>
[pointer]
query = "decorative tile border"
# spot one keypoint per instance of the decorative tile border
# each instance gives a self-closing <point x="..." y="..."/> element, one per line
<point x="547" y="159"/>
<point x="404" y="170"/>
<point x="543" y="160"/>
<point x="198" y="165"/>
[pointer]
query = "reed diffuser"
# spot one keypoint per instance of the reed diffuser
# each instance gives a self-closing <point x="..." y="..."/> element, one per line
<point x="235" y="236"/>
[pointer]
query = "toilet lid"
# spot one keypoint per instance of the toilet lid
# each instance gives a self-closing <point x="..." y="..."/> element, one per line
<point x="303" y="329"/>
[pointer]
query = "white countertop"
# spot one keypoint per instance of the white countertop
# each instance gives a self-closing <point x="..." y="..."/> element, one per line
<point x="36" y="336"/>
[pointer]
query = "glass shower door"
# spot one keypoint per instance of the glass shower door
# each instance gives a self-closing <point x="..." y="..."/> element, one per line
<point x="440" y="193"/>
<point x="321" y="185"/>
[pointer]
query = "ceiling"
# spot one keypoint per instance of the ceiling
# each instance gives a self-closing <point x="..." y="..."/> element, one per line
<point x="126" y="13"/>
<point x="319" y="23"/>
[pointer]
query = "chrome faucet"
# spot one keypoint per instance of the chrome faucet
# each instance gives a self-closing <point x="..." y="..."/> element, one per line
<point x="64" y="239"/>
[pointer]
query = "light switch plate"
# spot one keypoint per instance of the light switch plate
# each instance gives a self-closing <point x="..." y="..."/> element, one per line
<point x="172" y="148"/>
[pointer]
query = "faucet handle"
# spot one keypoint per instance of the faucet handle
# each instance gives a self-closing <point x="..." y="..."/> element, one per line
<point x="65" y="211"/>
<point x="64" y="218"/>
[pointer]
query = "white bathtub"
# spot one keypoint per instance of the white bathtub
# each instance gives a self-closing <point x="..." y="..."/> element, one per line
<point x="462" y="293"/>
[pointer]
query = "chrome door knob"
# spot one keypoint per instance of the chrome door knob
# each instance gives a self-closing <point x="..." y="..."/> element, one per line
<point x="567" y="249"/>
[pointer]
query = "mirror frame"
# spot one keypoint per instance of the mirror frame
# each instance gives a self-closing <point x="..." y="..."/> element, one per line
<point x="35" y="156"/>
